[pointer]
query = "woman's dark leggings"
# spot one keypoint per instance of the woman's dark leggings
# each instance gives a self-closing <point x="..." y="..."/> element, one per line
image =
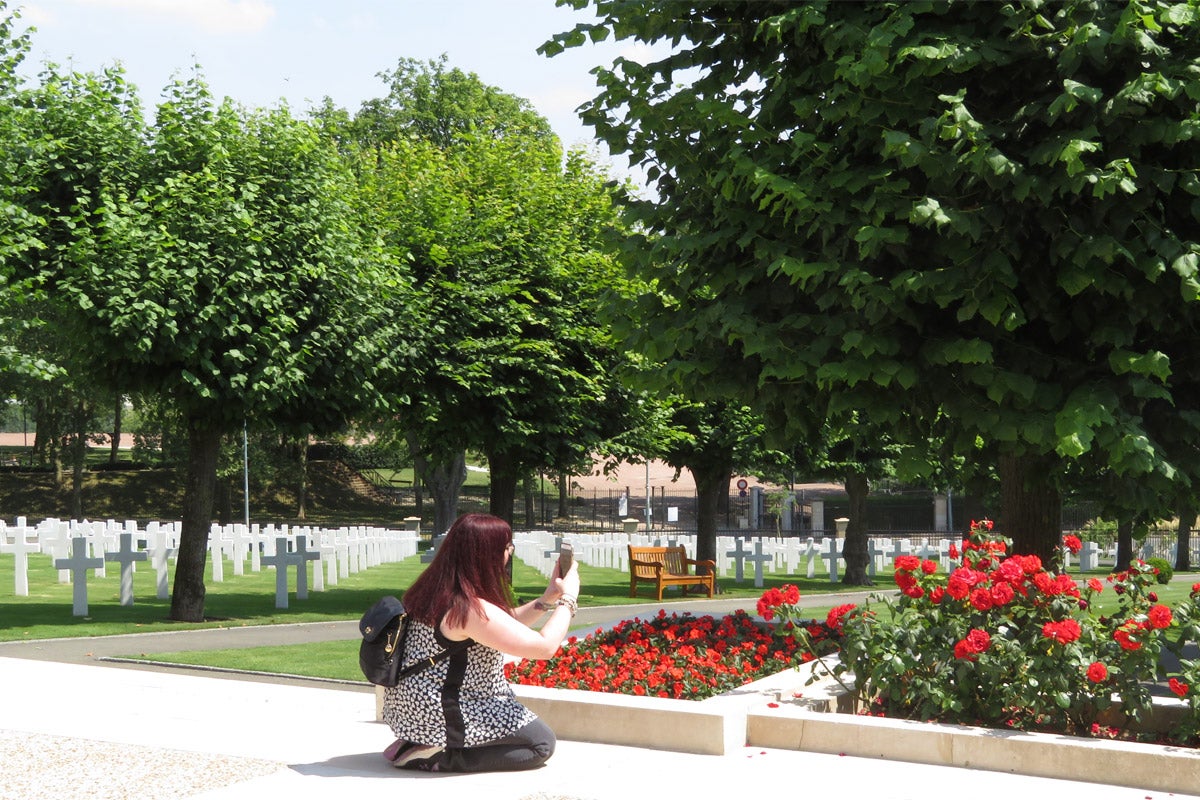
<point x="528" y="748"/>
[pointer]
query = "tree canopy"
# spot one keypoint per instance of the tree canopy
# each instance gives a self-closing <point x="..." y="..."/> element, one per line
<point x="213" y="258"/>
<point x="506" y="262"/>
<point x="983" y="216"/>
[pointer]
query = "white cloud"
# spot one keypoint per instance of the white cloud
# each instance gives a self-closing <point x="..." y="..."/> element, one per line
<point x="211" y="16"/>
<point x="35" y="14"/>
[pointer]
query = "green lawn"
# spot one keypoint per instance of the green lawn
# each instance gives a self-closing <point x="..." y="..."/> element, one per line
<point x="250" y="599"/>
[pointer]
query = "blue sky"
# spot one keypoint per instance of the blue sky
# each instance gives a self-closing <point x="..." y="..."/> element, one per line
<point x="261" y="51"/>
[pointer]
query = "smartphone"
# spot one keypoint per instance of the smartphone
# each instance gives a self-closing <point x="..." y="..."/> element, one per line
<point x="566" y="555"/>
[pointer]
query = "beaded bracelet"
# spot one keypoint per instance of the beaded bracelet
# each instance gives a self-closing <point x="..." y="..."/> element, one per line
<point x="570" y="602"/>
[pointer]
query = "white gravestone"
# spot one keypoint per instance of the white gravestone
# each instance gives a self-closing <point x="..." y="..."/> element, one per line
<point x="301" y="558"/>
<point x="78" y="565"/>
<point x="739" y="555"/>
<point x="1089" y="556"/>
<point x="832" y="555"/>
<point x="126" y="555"/>
<point x="160" y="551"/>
<point x="20" y="547"/>
<point x="280" y="561"/>
<point x="759" y="558"/>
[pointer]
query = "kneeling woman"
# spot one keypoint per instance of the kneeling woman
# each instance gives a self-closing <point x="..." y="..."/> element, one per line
<point x="460" y="715"/>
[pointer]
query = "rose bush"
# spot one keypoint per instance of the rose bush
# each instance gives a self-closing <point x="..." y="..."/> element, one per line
<point x="1003" y="641"/>
<point x="677" y="655"/>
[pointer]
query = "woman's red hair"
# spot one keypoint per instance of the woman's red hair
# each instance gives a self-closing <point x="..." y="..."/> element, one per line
<point x="469" y="567"/>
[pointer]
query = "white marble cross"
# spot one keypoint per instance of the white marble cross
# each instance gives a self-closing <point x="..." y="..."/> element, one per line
<point x="1089" y="556"/>
<point x="301" y="558"/>
<point x="875" y="551"/>
<point x="78" y="565"/>
<point x="832" y="555"/>
<point x="739" y="556"/>
<point x="759" y="558"/>
<point x="216" y="549"/>
<point x="160" y="550"/>
<point x="20" y="547"/>
<point x="126" y="555"/>
<point x="280" y="561"/>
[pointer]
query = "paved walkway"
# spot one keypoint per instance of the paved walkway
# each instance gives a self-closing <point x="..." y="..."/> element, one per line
<point x="73" y="725"/>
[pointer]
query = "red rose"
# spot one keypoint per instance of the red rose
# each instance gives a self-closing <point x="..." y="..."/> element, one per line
<point x="1180" y="689"/>
<point x="1002" y="594"/>
<point x="1124" y="636"/>
<point x="957" y="589"/>
<point x="981" y="599"/>
<point x="1159" y="616"/>
<point x="1097" y="672"/>
<point x="1062" y="632"/>
<point x="976" y="642"/>
<point x="836" y="615"/>
<point x="1009" y="571"/>
<point x="1072" y="543"/>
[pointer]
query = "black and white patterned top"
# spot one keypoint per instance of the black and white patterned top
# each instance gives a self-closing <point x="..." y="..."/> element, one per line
<point x="462" y="701"/>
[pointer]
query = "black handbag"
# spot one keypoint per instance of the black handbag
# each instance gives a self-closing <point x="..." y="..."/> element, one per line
<point x="384" y="629"/>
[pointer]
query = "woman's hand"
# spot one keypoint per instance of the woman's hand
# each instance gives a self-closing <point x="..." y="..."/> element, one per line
<point x="569" y="584"/>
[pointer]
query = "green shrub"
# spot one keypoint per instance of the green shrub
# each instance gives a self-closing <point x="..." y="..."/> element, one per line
<point x="1163" y="571"/>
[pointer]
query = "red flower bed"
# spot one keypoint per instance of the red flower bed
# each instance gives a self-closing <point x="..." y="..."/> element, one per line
<point x="677" y="655"/>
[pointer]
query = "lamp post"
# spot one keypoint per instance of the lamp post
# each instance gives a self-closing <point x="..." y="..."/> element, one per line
<point x="246" y="474"/>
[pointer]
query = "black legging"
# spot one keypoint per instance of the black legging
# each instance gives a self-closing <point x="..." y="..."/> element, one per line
<point x="530" y="747"/>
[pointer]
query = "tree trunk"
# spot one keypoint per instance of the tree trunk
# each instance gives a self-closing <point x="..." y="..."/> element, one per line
<point x="1124" y="545"/>
<point x="302" y="491"/>
<point x="710" y="484"/>
<point x="1183" y="542"/>
<point x="445" y="482"/>
<point x="187" y="596"/>
<point x="114" y="452"/>
<point x="1031" y="505"/>
<point x="854" y="549"/>
<point x="564" y="484"/>
<point x="502" y="494"/>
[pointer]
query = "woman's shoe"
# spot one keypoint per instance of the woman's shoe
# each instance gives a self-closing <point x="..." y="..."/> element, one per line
<point x="417" y="756"/>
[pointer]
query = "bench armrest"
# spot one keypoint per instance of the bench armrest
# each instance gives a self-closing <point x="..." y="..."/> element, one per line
<point x="708" y="562"/>
<point x="656" y="565"/>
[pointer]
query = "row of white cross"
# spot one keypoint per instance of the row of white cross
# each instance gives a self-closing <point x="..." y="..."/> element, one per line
<point x="77" y="548"/>
<point x="788" y="556"/>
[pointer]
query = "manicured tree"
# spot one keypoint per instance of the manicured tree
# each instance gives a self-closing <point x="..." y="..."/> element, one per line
<point x="237" y="281"/>
<point x="507" y="268"/>
<point x="983" y="211"/>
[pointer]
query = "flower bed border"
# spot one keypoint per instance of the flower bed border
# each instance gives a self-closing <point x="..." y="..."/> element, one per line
<point x="1102" y="761"/>
<point x="768" y="713"/>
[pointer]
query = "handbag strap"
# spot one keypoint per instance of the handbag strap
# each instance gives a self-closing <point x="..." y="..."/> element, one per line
<point x="424" y="664"/>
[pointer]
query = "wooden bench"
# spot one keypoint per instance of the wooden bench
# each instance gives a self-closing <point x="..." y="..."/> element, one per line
<point x="667" y="566"/>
